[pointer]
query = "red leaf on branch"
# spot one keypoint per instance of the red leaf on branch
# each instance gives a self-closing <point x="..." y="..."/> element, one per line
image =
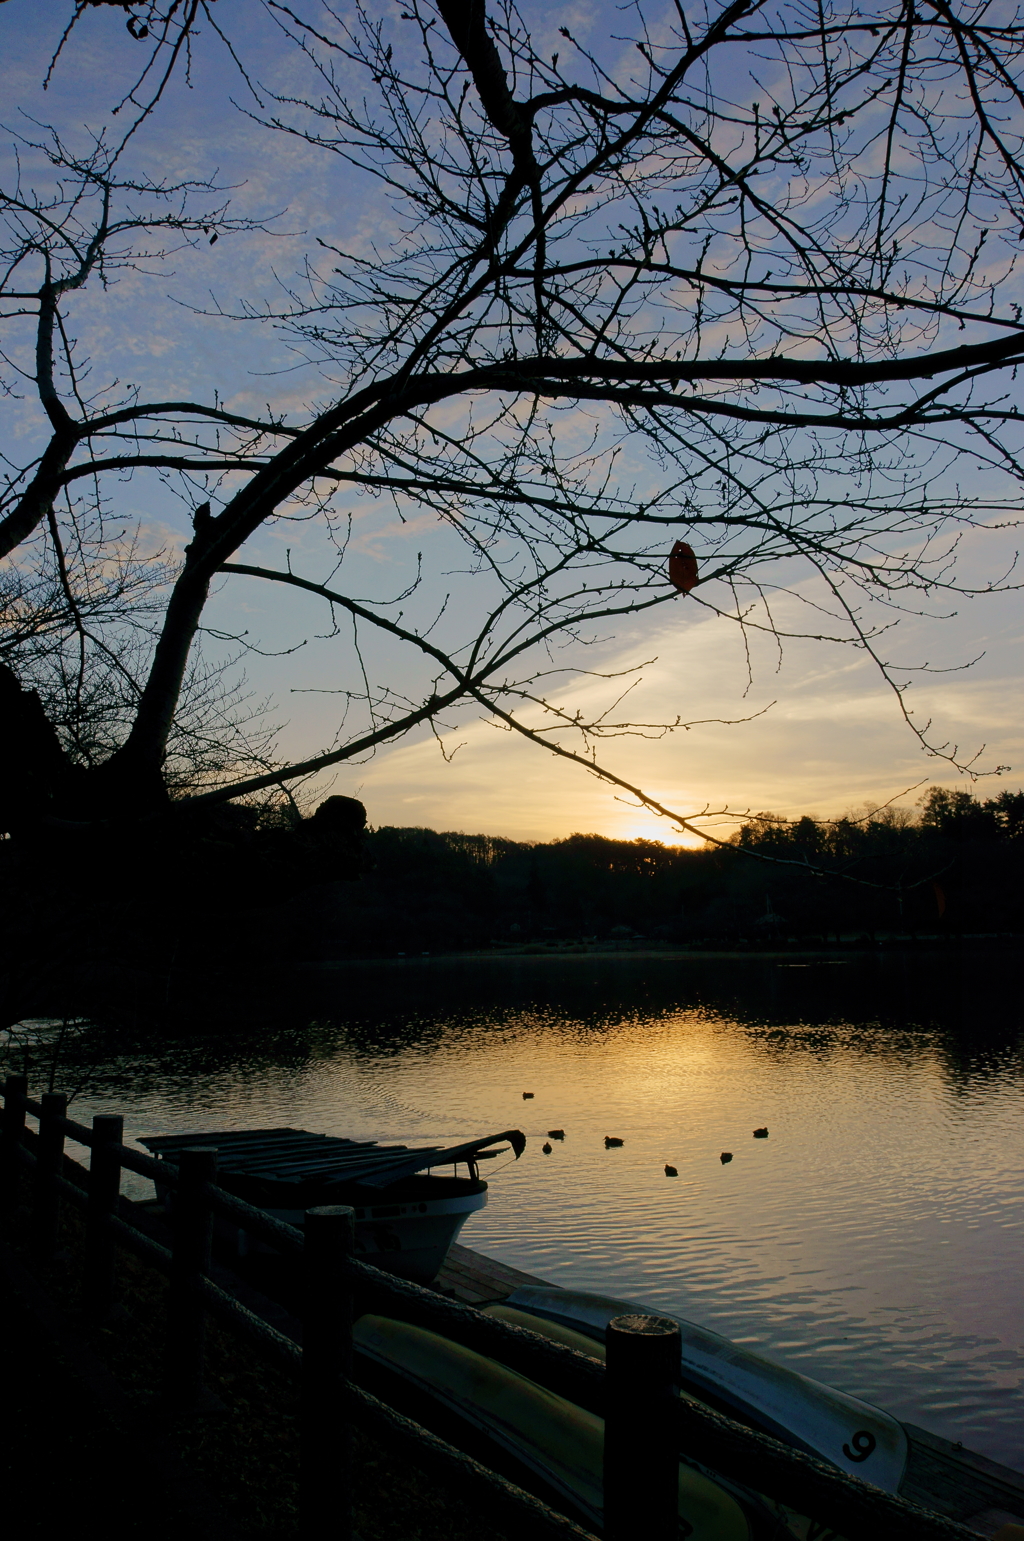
<point x="682" y="567"/>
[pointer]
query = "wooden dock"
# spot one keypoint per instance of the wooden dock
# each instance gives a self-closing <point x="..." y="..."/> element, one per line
<point x="477" y="1280"/>
<point x="940" y="1475"/>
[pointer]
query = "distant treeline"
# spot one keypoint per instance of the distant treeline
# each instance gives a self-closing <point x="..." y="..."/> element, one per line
<point x="954" y="866"/>
<point x="227" y="898"/>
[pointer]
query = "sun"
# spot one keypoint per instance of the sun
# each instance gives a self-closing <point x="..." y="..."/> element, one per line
<point x="655" y="829"/>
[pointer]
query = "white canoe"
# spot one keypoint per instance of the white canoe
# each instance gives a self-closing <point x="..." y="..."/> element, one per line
<point x="853" y="1435"/>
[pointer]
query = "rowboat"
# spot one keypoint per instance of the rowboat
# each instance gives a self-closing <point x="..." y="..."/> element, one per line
<point x="818" y="1419"/>
<point x="407" y="1215"/>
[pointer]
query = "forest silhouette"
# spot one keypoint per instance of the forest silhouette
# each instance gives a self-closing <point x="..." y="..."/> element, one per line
<point x="955" y="867"/>
<point x="228" y="902"/>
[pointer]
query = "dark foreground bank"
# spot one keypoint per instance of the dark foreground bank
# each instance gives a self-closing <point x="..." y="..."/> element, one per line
<point x="85" y="1436"/>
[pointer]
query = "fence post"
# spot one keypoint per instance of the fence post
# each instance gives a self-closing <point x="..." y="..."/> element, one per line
<point x="192" y="1231"/>
<point x="104" y="1191"/>
<point x="641" y="1438"/>
<point x="15" y="1092"/>
<point x="49" y="1166"/>
<point x="325" y="1492"/>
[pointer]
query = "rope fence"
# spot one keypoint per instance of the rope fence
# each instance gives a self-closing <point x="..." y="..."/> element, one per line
<point x="647" y="1425"/>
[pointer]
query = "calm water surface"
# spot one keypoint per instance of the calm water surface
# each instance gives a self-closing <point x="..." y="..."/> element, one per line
<point x="874" y="1240"/>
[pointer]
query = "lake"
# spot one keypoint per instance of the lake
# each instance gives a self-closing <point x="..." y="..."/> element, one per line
<point x="874" y="1240"/>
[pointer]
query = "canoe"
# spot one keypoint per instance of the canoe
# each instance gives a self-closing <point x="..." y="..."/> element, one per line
<point x="560" y="1442"/>
<point x="769" y="1517"/>
<point x="851" y="1434"/>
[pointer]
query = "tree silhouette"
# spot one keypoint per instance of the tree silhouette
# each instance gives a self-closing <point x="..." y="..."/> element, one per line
<point x="757" y="260"/>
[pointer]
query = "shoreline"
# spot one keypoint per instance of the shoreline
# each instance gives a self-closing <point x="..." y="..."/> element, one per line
<point x="1005" y="942"/>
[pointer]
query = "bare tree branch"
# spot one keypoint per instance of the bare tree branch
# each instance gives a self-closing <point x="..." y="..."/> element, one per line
<point x="753" y="279"/>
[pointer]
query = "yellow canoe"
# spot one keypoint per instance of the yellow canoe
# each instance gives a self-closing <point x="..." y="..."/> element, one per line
<point x="789" y="1525"/>
<point x="553" y="1437"/>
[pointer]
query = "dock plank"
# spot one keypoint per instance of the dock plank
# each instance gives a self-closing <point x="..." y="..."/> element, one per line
<point x="960" y="1483"/>
<point x="941" y="1475"/>
<point x="478" y="1280"/>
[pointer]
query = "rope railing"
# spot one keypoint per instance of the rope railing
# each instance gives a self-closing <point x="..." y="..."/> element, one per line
<point x="508" y="1501"/>
<point x="335" y="1279"/>
<point x="251" y="1326"/>
<point x="842" y="1503"/>
<point x="257" y="1222"/>
<point x="327" y="1400"/>
<point x="147" y="1166"/>
<point x="559" y="1368"/>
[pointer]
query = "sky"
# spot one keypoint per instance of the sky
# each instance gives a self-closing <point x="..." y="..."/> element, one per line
<point x="815" y="730"/>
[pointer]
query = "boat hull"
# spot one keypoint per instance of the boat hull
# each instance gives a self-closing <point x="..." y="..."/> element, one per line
<point x="410" y="1240"/>
<point x="406" y="1229"/>
<point x="851" y="1434"/>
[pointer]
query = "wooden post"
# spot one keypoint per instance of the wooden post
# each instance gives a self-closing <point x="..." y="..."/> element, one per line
<point x="15" y="1092"/>
<point x="49" y="1166"/>
<point x="192" y="1229"/>
<point x="104" y="1191"/>
<point x="325" y="1494"/>
<point x="641" y="1449"/>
